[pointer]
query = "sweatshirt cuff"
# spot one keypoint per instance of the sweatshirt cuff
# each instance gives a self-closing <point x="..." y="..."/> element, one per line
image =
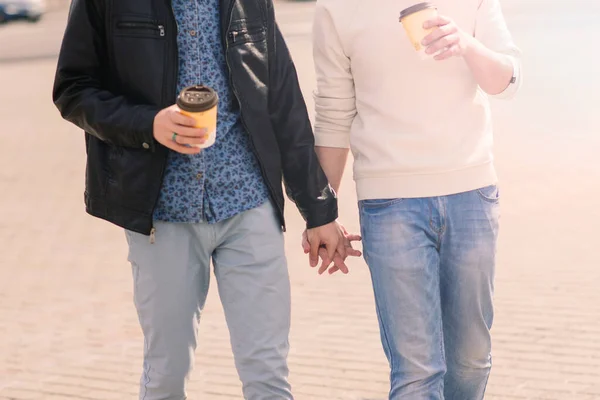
<point x="339" y="140"/>
<point x="515" y="83"/>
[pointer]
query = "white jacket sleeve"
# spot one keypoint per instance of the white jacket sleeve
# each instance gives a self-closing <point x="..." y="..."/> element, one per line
<point x="491" y="30"/>
<point x="335" y="97"/>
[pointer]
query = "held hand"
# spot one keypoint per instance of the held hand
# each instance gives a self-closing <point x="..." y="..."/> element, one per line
<point x="447" y="41"/>
<point x="338" y="260"/>
<point x="330" y="237"/>
<point x="177" y="132"/>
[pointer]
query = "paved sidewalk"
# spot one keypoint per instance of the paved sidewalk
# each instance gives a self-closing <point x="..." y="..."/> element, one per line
<point x="68" y="330"/>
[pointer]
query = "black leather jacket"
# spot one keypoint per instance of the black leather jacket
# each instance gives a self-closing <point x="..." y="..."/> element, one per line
<point x="118" y="67"/>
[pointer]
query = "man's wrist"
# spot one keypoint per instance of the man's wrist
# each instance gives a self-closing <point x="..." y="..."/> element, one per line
<point x="325" y="217"/>
<point x="144" y="126"/>
<point x="471" y="46"/>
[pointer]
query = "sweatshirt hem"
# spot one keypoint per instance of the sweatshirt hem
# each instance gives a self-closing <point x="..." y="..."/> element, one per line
<point x="426" y="185"/>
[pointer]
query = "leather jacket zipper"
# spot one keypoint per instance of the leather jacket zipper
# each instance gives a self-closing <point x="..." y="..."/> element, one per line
<point x="143" y="26"/>
<point x="233" y="35"/>
<point x="165" y="90"/>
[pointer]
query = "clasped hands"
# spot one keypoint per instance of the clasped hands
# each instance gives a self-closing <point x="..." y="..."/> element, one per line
<point x="332" y="244"/>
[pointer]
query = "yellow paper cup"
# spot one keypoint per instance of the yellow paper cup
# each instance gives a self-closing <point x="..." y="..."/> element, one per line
<point x="412" y="19"/>
<point x="201" y="103"/>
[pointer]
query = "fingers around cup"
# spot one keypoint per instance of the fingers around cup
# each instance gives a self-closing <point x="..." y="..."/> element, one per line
<point x="190" y="132"/>
<point x="190" y="141"/>
<point x="184" y="149"/>
<point x="430" y="23"/>
<point x="435" y="22"/>
<point x="180" y="119"/>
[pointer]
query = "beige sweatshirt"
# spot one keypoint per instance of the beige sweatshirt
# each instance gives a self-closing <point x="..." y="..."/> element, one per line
<point x="416" y="128"/>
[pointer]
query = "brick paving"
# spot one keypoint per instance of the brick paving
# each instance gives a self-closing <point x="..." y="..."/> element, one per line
<point x="68" y="329"/>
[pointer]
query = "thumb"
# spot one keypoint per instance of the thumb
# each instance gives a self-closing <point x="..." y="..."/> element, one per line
<point x="305" y="244"/>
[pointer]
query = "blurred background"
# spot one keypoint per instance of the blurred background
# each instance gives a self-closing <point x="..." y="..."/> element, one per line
<point x="68" y="328"/>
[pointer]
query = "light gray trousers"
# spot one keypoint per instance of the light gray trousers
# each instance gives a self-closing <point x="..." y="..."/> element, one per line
<point x="171" y="279"/>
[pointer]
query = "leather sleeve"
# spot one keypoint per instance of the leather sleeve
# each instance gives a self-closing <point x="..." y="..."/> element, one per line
<point x="79" y="93"/>
<point x="305" y="181"/>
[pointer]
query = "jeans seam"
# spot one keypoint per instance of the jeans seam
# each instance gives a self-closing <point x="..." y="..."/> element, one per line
<point x="443" y="216"/>
<point x="384" y="330"/>
<point x="441" y="328"/>
<point x="386" y="341"/>
<point x="206" y="287"/>
<point x="136" y="269"/>
<point x="438" y="232"/>
<point x="147" y="375"/>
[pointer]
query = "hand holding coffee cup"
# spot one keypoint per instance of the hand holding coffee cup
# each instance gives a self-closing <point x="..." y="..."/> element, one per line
<point x="177" y="132"/>
<point x="200" y="103"/>
<point x="445" y="40"/>
<point x="432" y="35"/>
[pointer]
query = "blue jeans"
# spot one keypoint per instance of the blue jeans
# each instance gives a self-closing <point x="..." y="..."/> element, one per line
<point x="432" y="263"/>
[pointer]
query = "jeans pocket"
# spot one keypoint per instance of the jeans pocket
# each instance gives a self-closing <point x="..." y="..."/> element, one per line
<point x="491" y="194"/>
<point x="374" y="204"/>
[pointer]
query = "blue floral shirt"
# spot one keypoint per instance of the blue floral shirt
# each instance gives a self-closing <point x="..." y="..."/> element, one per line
<point x="224" y="179"/>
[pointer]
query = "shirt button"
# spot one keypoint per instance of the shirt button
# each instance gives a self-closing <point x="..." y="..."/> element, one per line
<point x="145" y="145"/>
<point x="193" y="33"/>
<point x="199" y="176"/>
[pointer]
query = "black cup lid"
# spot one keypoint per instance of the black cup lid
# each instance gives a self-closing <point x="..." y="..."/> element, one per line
<point x="415" y="9"/>
<point x="197" y="98"/>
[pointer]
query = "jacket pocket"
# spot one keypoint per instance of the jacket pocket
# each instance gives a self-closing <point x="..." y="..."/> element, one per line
<point x="139" y="27"/>
<point x="138" y="57"/>
<point x="133" y="178"/>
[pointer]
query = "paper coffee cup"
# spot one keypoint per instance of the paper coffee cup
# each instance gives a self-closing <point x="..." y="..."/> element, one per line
<point x="201" y="103"/>
<point x="412" y="19"/>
